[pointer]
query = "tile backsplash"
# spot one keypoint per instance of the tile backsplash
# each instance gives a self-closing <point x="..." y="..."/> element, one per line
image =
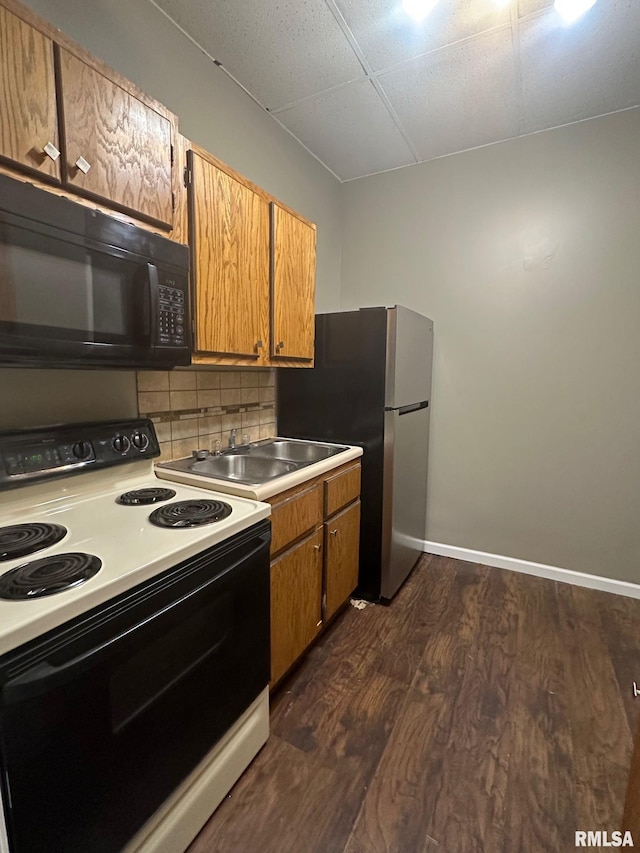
<point x="196" y="407"/>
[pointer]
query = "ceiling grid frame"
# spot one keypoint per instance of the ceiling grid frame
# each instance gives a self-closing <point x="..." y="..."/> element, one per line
<point x="340" y="124"/>
<point x="338" y="15"/>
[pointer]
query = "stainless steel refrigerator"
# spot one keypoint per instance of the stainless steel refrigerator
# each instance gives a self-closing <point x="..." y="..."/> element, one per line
<point x="371" y="386"/>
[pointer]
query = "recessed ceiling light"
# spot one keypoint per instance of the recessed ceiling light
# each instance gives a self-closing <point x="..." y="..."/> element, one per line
<point x="418" y="9"/>
<point x="571" y="10"/>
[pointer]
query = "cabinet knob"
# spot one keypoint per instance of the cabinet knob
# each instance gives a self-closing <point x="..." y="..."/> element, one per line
<point x="259" y="345"/>
<point x="316" y="547"/>
<point x="83" y="165"/>
<point x="51" y="151"/>
<point x="280" y="345"/>
<point x="334" y="532"/>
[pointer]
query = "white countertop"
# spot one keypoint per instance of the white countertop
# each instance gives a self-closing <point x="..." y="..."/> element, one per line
<point x="265" y="490"/>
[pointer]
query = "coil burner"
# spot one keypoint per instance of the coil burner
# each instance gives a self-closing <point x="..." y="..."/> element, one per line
<point x="20" y="540"/>
<point x="48" y="576"/>
<point x="143" y="497"/>
<point x="191" y="513"/>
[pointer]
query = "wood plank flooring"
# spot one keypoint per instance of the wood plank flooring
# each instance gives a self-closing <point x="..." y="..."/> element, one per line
<point x="484" y="711"/>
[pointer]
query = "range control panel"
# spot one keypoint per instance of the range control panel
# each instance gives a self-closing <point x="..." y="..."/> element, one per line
<point x="33" y="455"/>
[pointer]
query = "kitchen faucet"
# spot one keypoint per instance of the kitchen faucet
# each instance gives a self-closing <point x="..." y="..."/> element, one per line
<point x="232" y="439"/>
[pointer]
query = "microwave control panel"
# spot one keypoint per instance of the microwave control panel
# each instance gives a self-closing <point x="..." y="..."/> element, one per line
<point x="171" y="315"/>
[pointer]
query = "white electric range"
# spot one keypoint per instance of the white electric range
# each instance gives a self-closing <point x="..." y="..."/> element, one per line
<point x="134" y="642"/>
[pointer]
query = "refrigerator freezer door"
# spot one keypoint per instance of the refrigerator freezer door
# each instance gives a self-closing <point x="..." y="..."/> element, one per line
<point x="409" y="357"/>
<point x="406" y="445"/>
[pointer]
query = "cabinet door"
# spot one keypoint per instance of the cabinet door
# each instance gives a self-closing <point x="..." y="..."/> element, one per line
<point x="342" y="540"/>
<point x="28" y="119"/>
<point x="230" y="245"/>
<point x="125" y="144"/>
<point x="296" y="592"/>
<point x="293" y="282"/>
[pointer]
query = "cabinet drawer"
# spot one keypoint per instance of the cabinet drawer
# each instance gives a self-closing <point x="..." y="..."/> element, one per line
<point x="341" y="489"/>
<point x="291" y="518"/>
<point x="296" y="590"/>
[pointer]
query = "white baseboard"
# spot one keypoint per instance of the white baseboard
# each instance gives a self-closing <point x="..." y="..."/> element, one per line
<point x="632" y="590"/>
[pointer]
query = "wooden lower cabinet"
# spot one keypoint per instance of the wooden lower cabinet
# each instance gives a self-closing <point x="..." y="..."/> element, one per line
<point x="296" y="593"/>
<point x="314" y="560"/>
<point x="342" y="543"/>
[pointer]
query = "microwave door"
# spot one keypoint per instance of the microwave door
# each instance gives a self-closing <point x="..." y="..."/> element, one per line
<point x="80" y="289"/>
<point x="62" y="303"/>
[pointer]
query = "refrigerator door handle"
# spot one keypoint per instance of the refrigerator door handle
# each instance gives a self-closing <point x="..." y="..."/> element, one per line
<point x="405" y="410"/>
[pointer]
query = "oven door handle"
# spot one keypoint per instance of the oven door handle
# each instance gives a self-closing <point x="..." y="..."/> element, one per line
<point x="45" y="676"/>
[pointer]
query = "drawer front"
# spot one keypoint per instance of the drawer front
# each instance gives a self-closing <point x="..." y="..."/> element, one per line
<point x="296" y="591"/>
<point x="341" y="489"/>
<point x="293" y="517"/>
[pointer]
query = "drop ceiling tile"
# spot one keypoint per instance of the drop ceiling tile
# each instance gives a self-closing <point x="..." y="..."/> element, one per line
<point x="529" y="7"/>
<point x="280" y="51"/>
<point x="387" y="35"/>
<point x="350" y="130"/>
<point x="458" y="98"/>
<point x="583" y="70"/>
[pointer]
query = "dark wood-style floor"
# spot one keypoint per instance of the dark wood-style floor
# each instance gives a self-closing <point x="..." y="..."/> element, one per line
<point x="484" y="711"/>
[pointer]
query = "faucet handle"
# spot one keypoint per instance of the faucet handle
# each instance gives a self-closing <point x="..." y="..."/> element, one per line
<point x="246" y="439"/>
<point x="216" y="447"/>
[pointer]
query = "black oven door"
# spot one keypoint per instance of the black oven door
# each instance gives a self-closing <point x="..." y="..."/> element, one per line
<point x="101" y="719"/>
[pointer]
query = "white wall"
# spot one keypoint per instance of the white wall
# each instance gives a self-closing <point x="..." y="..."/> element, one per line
<point x="30" y="398"/>
<point x="527" y="256"/>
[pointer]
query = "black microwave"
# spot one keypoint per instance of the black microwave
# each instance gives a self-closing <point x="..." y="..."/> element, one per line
<point x="79" y="288"/>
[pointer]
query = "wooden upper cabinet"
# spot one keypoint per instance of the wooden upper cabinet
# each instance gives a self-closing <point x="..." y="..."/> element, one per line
<point x="230" y="246"/>
<point x="293" y="278"/>
<point x="117" y="148"/>
<point x="28" y="118"/>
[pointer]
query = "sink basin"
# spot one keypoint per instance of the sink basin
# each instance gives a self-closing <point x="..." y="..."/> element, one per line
<point x="243" y="468"/>
<point x="296" y="451"/>
<point x="259" y="463"/>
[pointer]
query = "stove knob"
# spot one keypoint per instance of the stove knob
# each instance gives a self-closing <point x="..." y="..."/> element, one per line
<point x="81" y="450"/>
<point x="140" y="440"/>
<point x="121" y="443"/>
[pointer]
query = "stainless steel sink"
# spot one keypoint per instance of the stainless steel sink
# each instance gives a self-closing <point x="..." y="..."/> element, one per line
<point x="258" y="463"/>
<point x="242" y="468"/>
<point x="296" y="451"/>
